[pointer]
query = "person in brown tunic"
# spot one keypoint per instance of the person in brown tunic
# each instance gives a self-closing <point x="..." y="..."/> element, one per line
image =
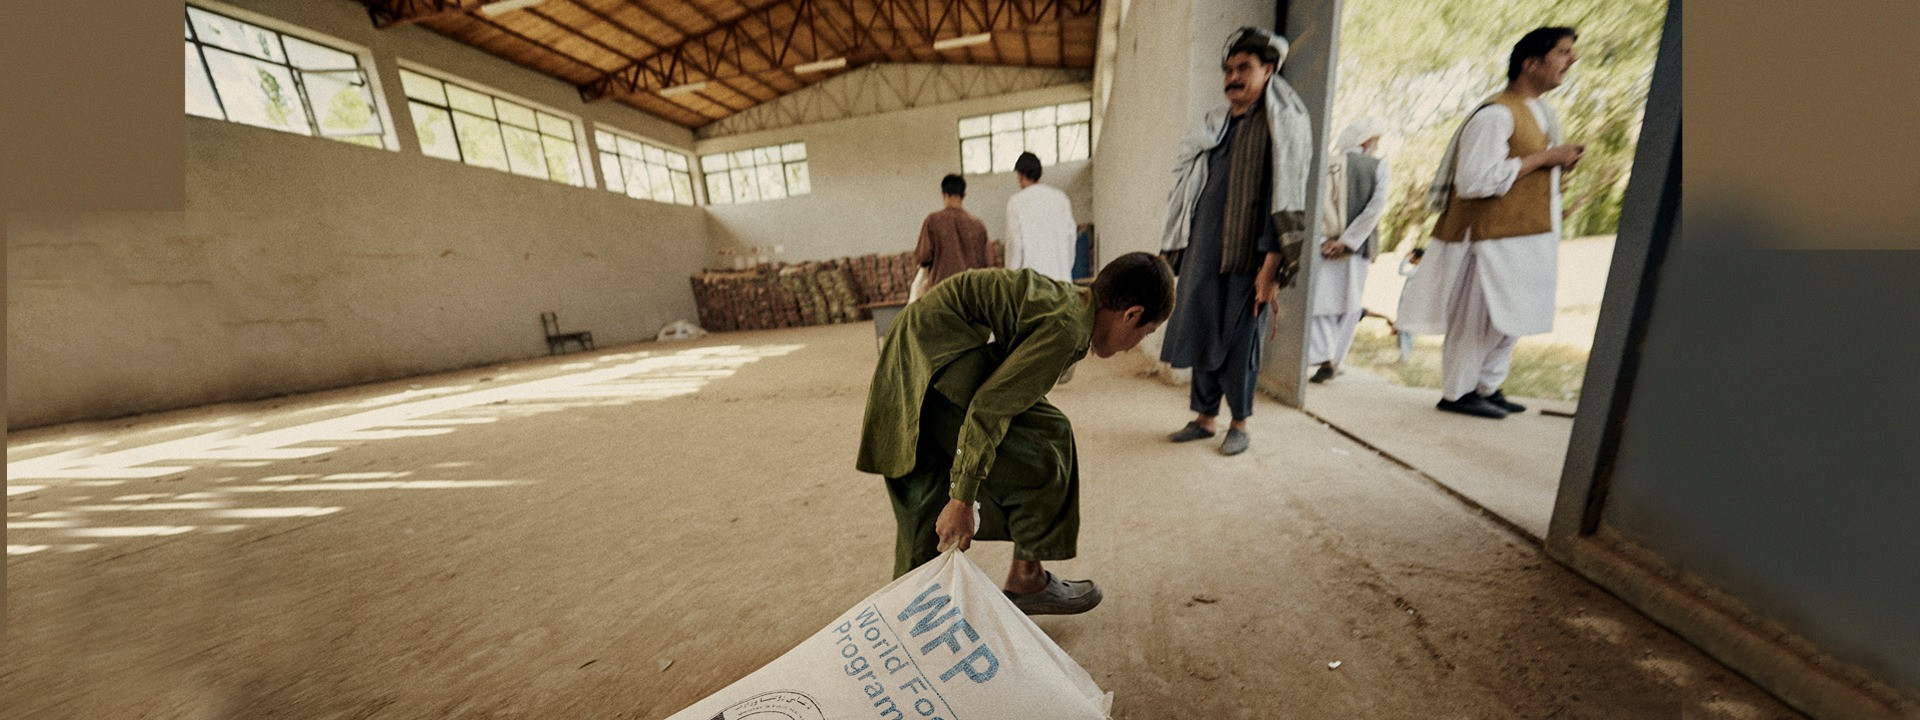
<point x="952" y="240"/>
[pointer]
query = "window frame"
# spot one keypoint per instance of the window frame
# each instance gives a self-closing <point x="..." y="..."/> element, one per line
<point x="362" y="75"/>
<point x="990" y="131"/>
<point x="754" y="168"/>
<point x="449" y="82"/>
<point x="603" y="153"/>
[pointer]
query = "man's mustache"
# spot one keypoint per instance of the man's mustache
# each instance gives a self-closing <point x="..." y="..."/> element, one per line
<point x="1237" y="86"/>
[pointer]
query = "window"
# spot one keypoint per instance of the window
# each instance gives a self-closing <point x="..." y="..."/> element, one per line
<point x="644" y="170"/>
<point x="241" y="72"/>
<point x="477" y="128"/>
<point x="767" y="173"/>
<point x="1055" y="133"/>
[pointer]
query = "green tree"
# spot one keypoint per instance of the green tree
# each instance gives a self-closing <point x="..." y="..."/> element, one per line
<point x="523" y="146"/>
<point x="1424" y="64"/>
<point x="348" y="110"/>
<point x="561" y="159"/>
<point x="279" y="107"/>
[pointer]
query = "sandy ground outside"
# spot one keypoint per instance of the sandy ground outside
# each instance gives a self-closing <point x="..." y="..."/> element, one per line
<point x="617" y="534"/>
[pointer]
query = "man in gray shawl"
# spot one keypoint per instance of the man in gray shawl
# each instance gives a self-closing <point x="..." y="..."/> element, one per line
<point x="1236" y="220"/>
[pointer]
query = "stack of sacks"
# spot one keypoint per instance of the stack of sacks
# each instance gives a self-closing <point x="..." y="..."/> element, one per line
<point x="784" y="296"/>
<point x="807" y="293"/>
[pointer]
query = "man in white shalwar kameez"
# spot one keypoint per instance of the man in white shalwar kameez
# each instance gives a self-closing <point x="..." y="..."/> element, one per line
<point x="1488" y="275"/>
<point x="1360" y="184"/>
<point x="1040" y="231"/>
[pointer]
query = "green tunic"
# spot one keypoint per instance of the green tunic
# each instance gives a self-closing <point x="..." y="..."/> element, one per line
<point x="986" y="433"/>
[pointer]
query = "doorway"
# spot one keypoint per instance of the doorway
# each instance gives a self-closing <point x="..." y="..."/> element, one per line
<point x="1417" y="68"/>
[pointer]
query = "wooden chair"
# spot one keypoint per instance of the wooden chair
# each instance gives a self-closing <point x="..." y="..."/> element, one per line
<point x="557" y="341"/>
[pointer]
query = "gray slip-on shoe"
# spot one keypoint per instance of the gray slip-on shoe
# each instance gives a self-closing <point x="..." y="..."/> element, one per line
<point x="1236" y="442"/>
<point x="1059" y="597"/>
<point x="1192" y="431"/>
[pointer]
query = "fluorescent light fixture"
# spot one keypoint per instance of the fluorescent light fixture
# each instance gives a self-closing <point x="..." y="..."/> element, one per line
<point x="962" y="41"/>
<point x="830" y="64"/>
<point x="682" y="89"/>
<point x="507" y="6"/>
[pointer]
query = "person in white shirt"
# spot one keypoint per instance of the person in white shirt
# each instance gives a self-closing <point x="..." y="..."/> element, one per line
<point x="1358" y="186"/>
<point x="1041" y="233"/>
<point x="1488" y="276"/>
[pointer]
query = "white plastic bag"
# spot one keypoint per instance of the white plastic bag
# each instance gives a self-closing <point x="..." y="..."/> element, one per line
<point x="679" y="330"/>
<point x="920" y="285"/>
<point x="940" y="642"/>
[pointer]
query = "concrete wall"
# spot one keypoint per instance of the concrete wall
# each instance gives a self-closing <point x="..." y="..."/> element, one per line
<point x="1313" y="27"/>
<point x="1148" y="110"/>
<point x="300" y="263"/>
<point x="876" y="177"/>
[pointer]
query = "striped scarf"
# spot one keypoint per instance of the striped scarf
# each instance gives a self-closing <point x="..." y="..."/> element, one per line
<point x="1248" y="163"/>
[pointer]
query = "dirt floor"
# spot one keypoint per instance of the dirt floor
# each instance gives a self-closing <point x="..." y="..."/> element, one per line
<point x="617" y="534"/>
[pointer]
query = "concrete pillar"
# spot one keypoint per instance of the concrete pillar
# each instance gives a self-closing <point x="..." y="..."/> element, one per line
<point x="1313" y="28"/>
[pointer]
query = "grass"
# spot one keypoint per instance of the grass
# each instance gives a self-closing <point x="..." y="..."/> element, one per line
<point x="1552" y="372"/>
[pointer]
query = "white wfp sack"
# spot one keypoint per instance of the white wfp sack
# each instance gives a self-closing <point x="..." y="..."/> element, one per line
<point x="939" y="642"/>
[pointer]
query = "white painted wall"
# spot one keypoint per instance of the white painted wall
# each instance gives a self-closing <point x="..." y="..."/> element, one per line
<point x="300" y="263"/>
<point x="876" y="177"/>
<point x="1146" y="115"/>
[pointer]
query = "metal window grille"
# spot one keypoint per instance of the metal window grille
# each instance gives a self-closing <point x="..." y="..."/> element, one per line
<point x="1056" y="133"/>
<point x="456" y="122"/>
<point x="643" y="170"/>
<point x="244" y="73"/>
<point x="763" y="173"/>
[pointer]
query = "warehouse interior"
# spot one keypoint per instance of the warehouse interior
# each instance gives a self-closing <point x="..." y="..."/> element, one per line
<point x="307" y="447"/>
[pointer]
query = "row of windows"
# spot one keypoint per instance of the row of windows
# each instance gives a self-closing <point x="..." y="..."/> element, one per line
<point x="644" y="170"/>
<point x="1054" y="133"/>
<point x="242" y="72"/>
<point x="765" y="173"/>
<point x="457" y="123"/>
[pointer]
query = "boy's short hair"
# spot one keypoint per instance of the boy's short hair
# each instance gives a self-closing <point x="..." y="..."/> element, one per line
<point x="1136" y="278"/>
<point x="953" y="185"/>
<point x="1029" y="165"/>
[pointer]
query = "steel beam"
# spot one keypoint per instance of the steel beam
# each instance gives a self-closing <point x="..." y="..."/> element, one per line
<point x="769" y="39"/>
